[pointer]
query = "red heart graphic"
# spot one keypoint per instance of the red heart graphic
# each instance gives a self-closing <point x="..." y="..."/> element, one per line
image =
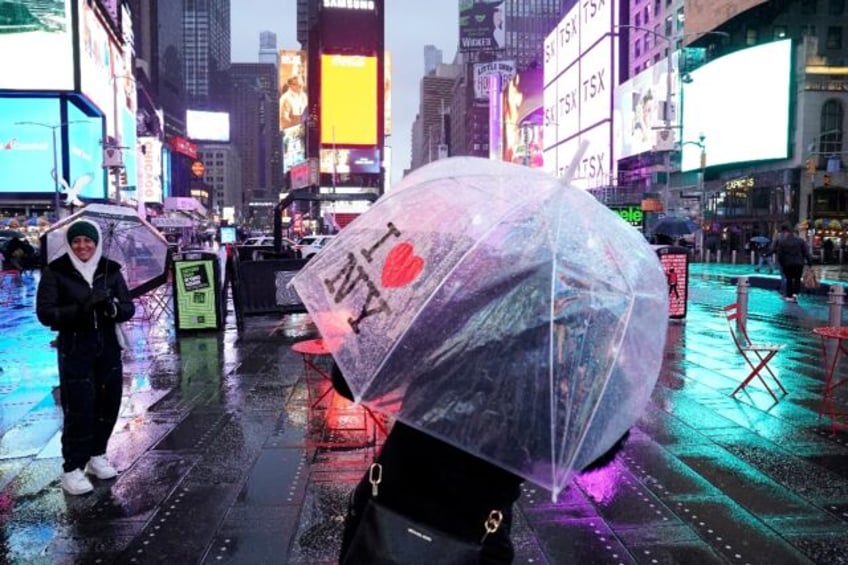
<point x="402" y="266"/>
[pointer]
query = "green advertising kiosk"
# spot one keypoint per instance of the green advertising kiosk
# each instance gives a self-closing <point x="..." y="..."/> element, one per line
<point x="197" y="296"/>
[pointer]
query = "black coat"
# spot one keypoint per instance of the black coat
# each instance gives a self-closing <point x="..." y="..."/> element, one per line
<point x="63" y="292"/>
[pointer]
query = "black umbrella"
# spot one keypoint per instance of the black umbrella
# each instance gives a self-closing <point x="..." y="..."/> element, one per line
<point x="8" y="234"/>
<point x="675" y="226"/>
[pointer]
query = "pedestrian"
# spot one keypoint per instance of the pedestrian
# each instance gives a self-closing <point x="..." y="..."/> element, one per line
<point x="440" y="487"/>
<point x="84" y="297"/>
<point x="764" y="257"/>
<point x="792" y="254"/>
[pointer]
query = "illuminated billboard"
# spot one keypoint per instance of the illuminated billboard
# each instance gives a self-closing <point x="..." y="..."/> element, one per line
<point x="481" y="76"/>
<point x="580" y="74"/>
<point x="350" y="161"/>
<point x="740" y="103"/>
<point x="523" y="117"/>
<point x="208" y="126"/>
<point x="149" y="159"/>
<point x="85" y="154"/>
<point x="98" y="59"/>
<point x="638" y="115"/>
<point x="292" y="68"/>
<point x="26" y="149"/>
<point x="481" y="25"/>
<point x="294" y="146"/>
<point x="348" y="100"/>
<point x="36" y="45"/>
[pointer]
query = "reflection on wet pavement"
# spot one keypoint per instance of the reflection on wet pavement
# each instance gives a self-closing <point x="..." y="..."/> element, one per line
<point x="222" y="462"/>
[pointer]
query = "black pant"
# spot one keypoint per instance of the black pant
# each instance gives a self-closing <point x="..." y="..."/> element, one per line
<point x="91" y="381"/>
<point x="793" y="279"/>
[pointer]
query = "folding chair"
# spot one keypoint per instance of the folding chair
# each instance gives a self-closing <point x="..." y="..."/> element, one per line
<point x="757" y="355"/>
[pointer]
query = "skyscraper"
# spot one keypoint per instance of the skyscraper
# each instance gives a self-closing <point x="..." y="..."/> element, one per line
<point x="268" y="47"/>
<point x="432" y="59"/>
<point x="206" y="36"/>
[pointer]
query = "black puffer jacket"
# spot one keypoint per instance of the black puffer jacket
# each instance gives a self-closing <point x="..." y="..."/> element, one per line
<point x="63" y="292"/>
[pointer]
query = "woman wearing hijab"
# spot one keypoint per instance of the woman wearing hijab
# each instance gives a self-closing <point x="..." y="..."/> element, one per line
<point x="84" y="297"/>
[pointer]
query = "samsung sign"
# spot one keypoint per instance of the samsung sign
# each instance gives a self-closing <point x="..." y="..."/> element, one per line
<point x="580" y="78"/>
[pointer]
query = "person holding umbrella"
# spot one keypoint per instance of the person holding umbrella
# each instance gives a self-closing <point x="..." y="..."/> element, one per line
<point x="792" y="253"/>
<point x="83" y="296"/>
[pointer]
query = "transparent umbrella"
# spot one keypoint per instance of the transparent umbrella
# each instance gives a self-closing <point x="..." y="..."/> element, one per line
<point x="491" y="306"/>
<point x="127" y="238"/>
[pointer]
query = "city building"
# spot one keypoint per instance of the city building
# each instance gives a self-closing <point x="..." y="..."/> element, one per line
<point x="221" y="178"/>
<point x="431" y="131"/>
<point x="206" y="49"/>
<point x="432" y="59"/>
<point x="254" y="118"/>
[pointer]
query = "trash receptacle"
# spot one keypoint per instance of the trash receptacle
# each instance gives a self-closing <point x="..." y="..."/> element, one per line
<point x="197" y="296"/>
<point x="675" y="264"/>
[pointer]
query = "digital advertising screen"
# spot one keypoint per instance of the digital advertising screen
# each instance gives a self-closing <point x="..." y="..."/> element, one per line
<point x="98" y="60"/>
<point x="580" y="75"/>
<point x="294" y="146"/>
<point x="355" y="161"/>
<point x="740" y="104"/>
<point x="208" y="126"/>
<point x="523" y="117"/>
<point x="85" y="156"/>
<point x="228" y="234"/>
<point x="26" y="144"/>
<point x="149" y="165"/>
<point x="292" y="67"/>
<point x="481" y="25"/>
<point x="36" y="45"/>
<point x="349" y="100"/>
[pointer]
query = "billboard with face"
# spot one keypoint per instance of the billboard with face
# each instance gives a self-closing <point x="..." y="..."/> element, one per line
<point x="481" y="25"/>
<point x="638" y="113"/>
<point x="292" y="79"/>
<point x="523" y="117"/>
<point x="348" y="100"/>
<point x="37" y="45"/>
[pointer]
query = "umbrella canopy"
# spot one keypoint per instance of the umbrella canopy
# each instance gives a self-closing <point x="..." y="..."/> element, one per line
<point x="675" y="226"/>
<point x="760" y="239"/>
<point x="491" y="306"/>
<point x="128" y="239"/>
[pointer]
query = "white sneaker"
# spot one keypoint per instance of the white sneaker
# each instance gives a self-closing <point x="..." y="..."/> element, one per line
<point x="100" y="467"/>
<point x="75" y="482"/>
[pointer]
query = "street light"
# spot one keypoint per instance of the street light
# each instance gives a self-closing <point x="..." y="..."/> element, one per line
<point x="701" y="185"/>
<point x="667" y="107"/>
<point x="53" y="128"/>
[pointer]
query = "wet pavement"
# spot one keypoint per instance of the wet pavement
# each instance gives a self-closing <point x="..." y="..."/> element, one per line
<point x="222" y="460"/>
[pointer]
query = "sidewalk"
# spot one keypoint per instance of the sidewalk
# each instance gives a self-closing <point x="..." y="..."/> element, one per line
<point x="216" y="466"/>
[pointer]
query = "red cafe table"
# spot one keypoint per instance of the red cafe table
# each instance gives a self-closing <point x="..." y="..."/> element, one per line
<point x="311" y="350"/>
<point x="830" y="361"/>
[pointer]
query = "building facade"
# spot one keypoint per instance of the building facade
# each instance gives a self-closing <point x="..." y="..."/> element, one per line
<point x="254" y="116"/>
<point x="206" y="48"/>
<point x="222" y="178"/>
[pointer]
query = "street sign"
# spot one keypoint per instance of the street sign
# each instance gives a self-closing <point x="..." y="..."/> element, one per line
<point x="198" y="168"/>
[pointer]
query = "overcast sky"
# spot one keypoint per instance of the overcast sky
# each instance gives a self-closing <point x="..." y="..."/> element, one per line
<point x="410" y="25"/>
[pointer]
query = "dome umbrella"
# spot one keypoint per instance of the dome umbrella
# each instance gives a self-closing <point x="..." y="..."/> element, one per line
<point x="491" y="306"/>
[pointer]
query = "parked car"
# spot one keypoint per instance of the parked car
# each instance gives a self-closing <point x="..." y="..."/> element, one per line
<point x="312" y="244"/>
<point x="257" y="248"/>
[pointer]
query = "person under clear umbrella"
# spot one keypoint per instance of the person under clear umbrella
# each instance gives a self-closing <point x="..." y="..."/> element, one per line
<point x="83" y="296"/>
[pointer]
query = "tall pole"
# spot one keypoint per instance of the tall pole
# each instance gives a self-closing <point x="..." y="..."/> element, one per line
<point x="55" y="175"/>
<point x="667" y="121"/>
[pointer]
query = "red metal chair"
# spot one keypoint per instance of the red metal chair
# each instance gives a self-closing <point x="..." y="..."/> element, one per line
<point x="757" y="355"/>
